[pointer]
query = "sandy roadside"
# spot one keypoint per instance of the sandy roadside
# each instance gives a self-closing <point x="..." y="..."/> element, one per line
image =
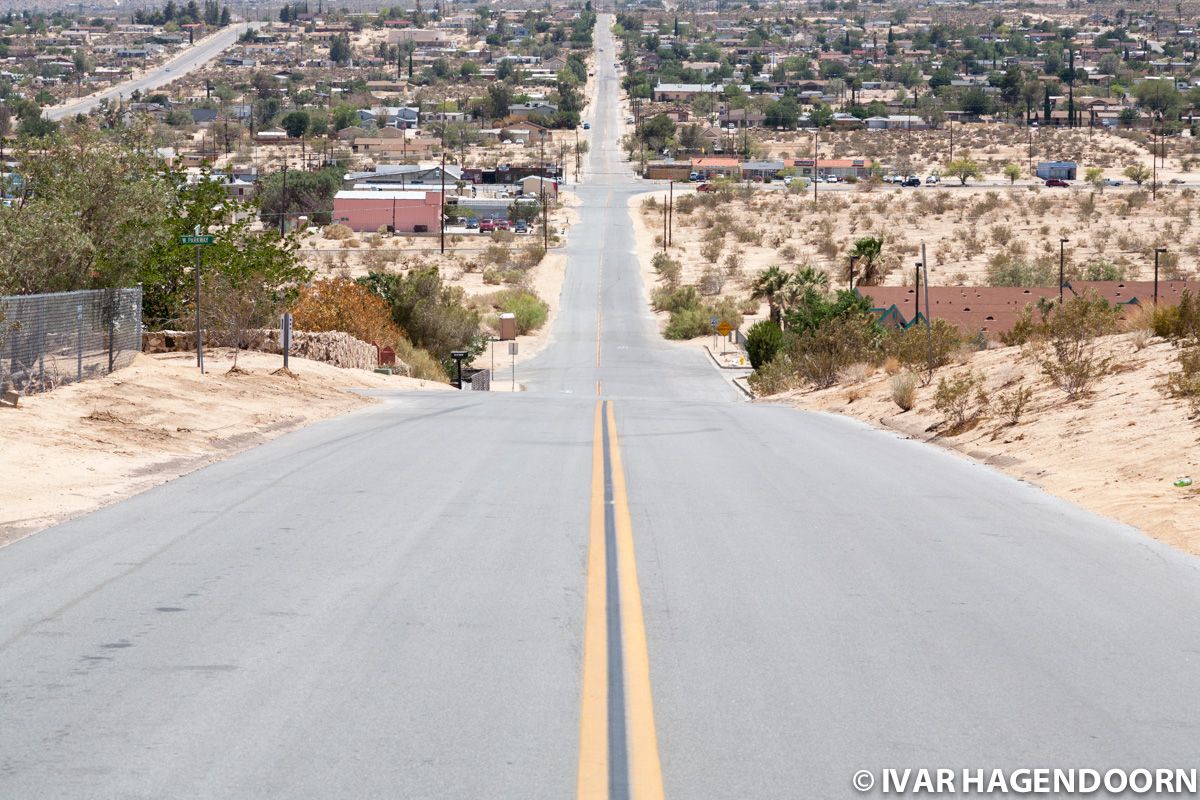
<point x="90" y="444"/>
<point x="1117" y="452"/>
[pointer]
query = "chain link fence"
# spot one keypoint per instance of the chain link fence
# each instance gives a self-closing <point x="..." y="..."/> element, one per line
<point x="47" y="340"/>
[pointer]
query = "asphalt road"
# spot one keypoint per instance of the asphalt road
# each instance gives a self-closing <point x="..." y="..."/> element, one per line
<point x="189" y="60"/>
<point x="623" y="582"/>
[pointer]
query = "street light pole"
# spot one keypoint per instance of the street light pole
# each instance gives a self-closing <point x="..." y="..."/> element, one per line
<point x="1061" y="268"/>
<point x="1157" y="250"/>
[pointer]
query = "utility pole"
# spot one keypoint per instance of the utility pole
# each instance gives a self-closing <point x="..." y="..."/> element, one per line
<point x="1157" y="251"/>
<point x="283" y="202"/>
<point x="671" y="212"/>
<point x="928" y="320"/>
<point x="442" y="210"/>
<point x="950" y="126"/>
<point x="816" y="133"/>
<point x="1062" y="262"/>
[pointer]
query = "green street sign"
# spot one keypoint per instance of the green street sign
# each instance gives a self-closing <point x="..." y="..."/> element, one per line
<point x="205" y="239"/>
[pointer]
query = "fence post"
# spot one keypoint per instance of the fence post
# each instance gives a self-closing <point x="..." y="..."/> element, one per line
<point x="110" y="302"/>
<point x="79" y="342"/>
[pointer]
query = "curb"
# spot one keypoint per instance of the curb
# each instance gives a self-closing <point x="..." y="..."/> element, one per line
<point x="717" y="363"/>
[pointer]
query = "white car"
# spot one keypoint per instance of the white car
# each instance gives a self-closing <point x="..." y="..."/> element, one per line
<point x="1113" y="182"/>
<point x="932" y="179"/>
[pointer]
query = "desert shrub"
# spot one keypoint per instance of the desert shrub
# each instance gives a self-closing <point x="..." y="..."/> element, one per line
<point x="1177" y="322"/>
<point x="856" y="373"/>
<point x="492" y="277"/>
<point x="337" y="231"/>
<point x="496" y="254"/>
<point x="1102" y="271"/>
<point x="763" y="342"/>
<point x="904" y="390"/>
<point x="912" y="345"/>
<point x="420" y="363"/>
<point x="712" y="281"/>
<point x="531" y="255"/>
<point x="668" y="269"/>
<point x="1004" y="270"/>
<point x="1012" y="404"/>
<point x="675" y="300"/>
<point x="687" y="323"/>
<point x="1140" y="338"/>
<point x="529" y="309"/>
<point x="821" y="354"/>
<point x="1185" y="381"/>
<point x="961" y="398"/>
<point x="1023" y="331"/>
<point x="690" y="317"/>
<point x="710" y="251"/>
<point x="503" y="237"/>
<point x="1069" y="356"/>
<point x="777" y="376"/>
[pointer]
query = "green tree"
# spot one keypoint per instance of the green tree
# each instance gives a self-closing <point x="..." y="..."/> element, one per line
<point x="1012" y="172"/>
<point x="1138" y="172"/>
<point x="296" y="123"/>
<point x="964" y="169"/>
<point x="90" y="208"/>
<point x="433" y="315"/>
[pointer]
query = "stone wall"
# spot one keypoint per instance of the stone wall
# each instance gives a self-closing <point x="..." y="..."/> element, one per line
<point x="332" y="347"/>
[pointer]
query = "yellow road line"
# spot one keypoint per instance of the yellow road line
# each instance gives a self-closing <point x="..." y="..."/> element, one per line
<point x="592" y="778"/>
<point x="645" y="768"/>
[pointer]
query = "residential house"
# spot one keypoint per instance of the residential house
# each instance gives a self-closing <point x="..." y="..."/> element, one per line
<point x="399" y="211"/>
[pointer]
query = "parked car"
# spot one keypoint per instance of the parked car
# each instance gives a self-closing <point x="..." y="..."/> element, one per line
<point x="704" y="187"/>
<point x="521" y="226"/>
<point x="587" y="126"/>
<point x="472" y="224"/>
<point x="1058" y="182"/>
<point x="932" y="179"/>
<point x="911" y="180"/>
<point x="503" y="225"/>
<point x="487" y="225"/>
<point x="694" y="176"/>
<point x="1113" y="182"/>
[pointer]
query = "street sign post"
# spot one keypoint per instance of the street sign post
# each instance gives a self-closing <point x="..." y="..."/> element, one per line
<point x="512" y="351"/>
<point x="724" y="328"/>
<point x="199" y="240"/>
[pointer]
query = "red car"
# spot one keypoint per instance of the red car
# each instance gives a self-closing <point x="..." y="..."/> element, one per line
<point x="704" y="187"/>
<point x="1059" y="182"/>
<point x="502" y="224"/>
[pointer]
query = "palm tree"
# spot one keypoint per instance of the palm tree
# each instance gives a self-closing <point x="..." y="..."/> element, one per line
<point x="769" y="285"/>
<point x="866" y="251"/>
<point x="804" y="281"/>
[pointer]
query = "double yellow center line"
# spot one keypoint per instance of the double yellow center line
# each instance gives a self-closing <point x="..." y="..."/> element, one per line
<point x="618" y="746"/>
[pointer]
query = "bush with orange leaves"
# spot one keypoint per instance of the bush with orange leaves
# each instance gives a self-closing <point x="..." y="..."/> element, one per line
<point x="342" y="304"/>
